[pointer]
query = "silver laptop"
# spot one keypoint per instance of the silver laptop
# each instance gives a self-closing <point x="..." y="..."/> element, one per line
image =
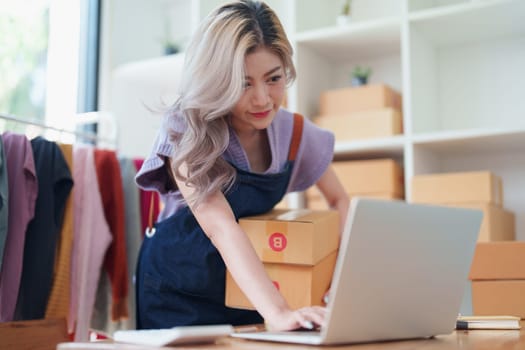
<point x="400" y="274"/>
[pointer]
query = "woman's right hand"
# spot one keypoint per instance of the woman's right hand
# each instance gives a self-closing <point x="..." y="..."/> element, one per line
<point x="309" y="317"/>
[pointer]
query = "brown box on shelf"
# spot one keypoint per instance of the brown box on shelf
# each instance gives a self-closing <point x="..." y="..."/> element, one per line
<point x="356" y="99"/>
<point x="300" y="285"/>
<point x="295" y="236"/>
<point x="373" y="123"/>
<point x="503" y="297"/>
<point x="498" y="261"/>
<point x="372" y="177"/>
<point x="459" y="187"/>
<point x="315" y="201"/>
<point x="498" y="224"/>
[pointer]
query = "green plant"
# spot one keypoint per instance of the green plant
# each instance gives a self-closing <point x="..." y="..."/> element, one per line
<point x="171" y="47"/>
<point x="345" y="10"/>
<point x="361" y="72"/>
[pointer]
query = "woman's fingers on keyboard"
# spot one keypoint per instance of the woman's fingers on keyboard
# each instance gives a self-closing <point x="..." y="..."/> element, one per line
<point x="311" y="317"/>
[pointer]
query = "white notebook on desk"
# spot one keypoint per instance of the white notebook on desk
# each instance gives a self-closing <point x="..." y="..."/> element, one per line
<point x="173" y="336"/>
<point x="400" y="274"/>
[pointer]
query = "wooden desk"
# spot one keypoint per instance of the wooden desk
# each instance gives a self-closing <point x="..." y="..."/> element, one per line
<point x="472" y="340"/>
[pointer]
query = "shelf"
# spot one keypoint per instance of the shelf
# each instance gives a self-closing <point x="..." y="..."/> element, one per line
<point x="361" y="39"/>
<point x="391" y="147"/>
<point x="470" y="22"/>
<point x="472" y="141"/>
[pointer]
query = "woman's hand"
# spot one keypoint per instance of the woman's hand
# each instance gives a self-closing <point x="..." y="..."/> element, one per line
<point x="309" y="317"/>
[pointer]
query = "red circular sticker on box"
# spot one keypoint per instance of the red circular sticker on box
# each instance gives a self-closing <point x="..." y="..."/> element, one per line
<point x="276" y="284"/>
<point x="277" y="241"/>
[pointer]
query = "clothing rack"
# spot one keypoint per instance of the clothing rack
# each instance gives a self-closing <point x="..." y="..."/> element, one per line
<point x="93" y="137"/>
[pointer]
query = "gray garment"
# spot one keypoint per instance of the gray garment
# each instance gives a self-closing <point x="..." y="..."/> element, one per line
<point x="133" y="231"/>
<point x="4" y="201"/>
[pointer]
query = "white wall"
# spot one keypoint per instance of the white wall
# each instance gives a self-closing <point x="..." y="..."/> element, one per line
<point x="134" y="86"/>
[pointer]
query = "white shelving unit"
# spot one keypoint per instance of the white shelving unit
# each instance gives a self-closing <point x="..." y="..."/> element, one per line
<point x="459" y="64"/>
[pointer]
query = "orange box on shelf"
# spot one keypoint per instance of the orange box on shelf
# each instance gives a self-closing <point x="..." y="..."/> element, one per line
<point x="373" y="123"/>
<point x="356" y="99"/>
<point x="300" y="285"/>
<point x="315" y="201"/>
<point x="294" y="236"/>
<point x="498" y="224"/>
<point x="498" y="261"/>
<point x="460" y="187"/>
<point x="503" y="297"/>
<point x="371" y="177"/>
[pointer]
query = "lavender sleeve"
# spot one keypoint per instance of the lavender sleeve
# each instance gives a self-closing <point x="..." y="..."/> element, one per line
<point x="313" y="158"/>
<point x="153" y="175"/>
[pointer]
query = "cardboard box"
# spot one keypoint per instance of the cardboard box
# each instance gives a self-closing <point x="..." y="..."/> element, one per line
<point x="498" y="224"/>
<point x="499" y="298"/>
<point x="461" y="187"/>
<point x="300" y="285"/>
<point x="371" y="177"/>
<point x="374" y="123"/>
<point x="293" y="236"/>
<point x="357" y="99"/>
<point x="315" y="201"/>
<point x="498" y="261"/>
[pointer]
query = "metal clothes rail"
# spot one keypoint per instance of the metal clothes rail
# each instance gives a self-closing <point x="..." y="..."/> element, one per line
<point x="85" y="135"/>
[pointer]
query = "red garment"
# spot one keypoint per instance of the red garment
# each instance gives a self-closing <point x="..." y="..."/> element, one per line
<point x="115" y="261"/>
<point x="145" y="201"/>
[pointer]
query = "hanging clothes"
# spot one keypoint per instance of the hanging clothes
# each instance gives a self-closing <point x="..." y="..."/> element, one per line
<point x="4" y="201"/>
<point x="58" y="303"/>
<point x="22" y="180"/>
<point x="91" y="240"/>
<point x="110" y="185"/>
<point x="54" y="185"/>
<point x="133" y="231"/>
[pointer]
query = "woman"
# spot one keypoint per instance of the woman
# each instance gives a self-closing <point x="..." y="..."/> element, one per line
<point x="228" y="150"/>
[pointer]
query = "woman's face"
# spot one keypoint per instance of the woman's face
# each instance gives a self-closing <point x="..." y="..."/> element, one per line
<point x="264" y="88"/>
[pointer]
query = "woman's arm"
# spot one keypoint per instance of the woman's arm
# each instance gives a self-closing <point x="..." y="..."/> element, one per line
<point x="335" y="194"/>
<point x="337" y="198"/>
<point x="217" y="220"/>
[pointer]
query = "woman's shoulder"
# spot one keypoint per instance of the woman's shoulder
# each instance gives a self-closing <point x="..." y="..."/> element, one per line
<point x="284" y="121"/>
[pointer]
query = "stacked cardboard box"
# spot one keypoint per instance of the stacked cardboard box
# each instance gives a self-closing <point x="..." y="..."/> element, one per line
<point x="367" y="111"/>
<point x="497" y="274"/>
<point x="298" y="249"/>
<point x="498" y="279"/>
<point x="377" y="178"/>
<point x="477" y="189"/>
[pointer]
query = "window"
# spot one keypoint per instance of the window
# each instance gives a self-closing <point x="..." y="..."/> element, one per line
<point x="48" y="59"/>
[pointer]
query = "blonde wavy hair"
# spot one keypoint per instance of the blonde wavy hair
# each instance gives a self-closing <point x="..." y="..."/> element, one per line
<point x="212" y="83"/>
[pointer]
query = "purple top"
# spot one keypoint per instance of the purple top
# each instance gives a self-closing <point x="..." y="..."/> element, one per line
<point x="314" y="155"/>
<point x="23" y="188"/>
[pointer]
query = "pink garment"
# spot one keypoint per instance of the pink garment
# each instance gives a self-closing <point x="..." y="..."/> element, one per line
<point x="23" y="191"/>
<point x="91" y="240"/>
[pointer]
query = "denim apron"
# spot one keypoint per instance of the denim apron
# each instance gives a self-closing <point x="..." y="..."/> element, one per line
<point x="180" y="277"/>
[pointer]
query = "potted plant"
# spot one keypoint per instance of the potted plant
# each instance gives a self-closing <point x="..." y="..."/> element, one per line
<point x="344" y="16"/>
<point x="360" y="75"/>
<point x="170" y="47"/>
